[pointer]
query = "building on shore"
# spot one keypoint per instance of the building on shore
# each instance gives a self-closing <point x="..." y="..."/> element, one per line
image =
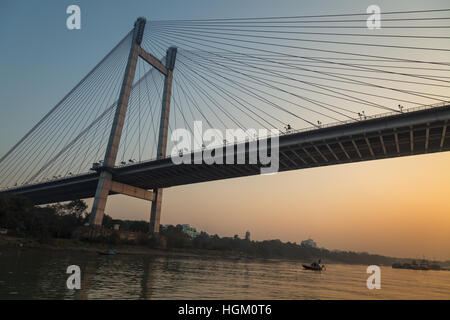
<point x="190" y="231"/>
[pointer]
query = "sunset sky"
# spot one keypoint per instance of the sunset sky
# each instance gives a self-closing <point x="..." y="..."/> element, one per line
<point x="396" y="207"/>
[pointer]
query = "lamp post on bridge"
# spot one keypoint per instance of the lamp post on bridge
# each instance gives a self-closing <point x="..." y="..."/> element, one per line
<point x="105" y="182"/>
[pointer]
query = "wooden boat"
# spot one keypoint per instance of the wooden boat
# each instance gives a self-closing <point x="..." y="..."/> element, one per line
<point x="107" y="253"/>
<point x="424" y="265"/>
<point x="314" y="267"/>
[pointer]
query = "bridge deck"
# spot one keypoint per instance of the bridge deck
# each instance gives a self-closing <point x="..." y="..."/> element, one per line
<point x="411" y="133"/>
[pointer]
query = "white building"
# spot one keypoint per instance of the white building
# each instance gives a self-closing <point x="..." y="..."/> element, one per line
<point x="190" y="231"/>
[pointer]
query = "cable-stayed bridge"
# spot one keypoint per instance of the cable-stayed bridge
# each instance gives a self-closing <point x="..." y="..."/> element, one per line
<point x="338" y="92"/>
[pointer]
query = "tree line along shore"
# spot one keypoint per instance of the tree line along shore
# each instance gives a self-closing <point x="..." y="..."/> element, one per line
<point x="59" y="225"/>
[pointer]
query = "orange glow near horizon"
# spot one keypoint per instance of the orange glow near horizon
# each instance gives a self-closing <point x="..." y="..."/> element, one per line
<point x="394" y="207"/>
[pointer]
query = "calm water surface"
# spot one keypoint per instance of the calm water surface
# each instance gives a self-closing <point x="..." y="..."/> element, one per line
<point x="38" y="274"/>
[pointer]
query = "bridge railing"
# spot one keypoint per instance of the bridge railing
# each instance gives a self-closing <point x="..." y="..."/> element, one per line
<point x="375" y="116"/>
<point x="332" y="124"/>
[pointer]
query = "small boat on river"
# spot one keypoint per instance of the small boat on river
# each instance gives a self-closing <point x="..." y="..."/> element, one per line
<point x="316" y="266"/>
<point x="107" y="252"/>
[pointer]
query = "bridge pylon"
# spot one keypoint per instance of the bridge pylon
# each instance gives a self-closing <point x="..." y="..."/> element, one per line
<point x="106" y="183"/>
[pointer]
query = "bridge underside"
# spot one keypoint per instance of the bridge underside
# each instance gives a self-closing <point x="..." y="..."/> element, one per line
<point x="406" y="134"/>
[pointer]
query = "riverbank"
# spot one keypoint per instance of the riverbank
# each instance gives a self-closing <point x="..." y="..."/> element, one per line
<point x="126" y="249"/>
<point x="122" y="249"/>
<point x="55" y="244"/>
<point x="63" y="227"/>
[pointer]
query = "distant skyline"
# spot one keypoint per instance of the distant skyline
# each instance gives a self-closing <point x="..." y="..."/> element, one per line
<point x="393" y="207"/>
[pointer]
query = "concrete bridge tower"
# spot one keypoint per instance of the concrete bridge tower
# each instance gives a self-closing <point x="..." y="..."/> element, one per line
<point x="106" y="183"/>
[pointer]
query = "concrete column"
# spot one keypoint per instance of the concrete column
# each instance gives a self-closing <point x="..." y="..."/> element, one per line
<point x="101" y="195"/>
<point x="155" y="213"/>
<point x="105" y="179"/>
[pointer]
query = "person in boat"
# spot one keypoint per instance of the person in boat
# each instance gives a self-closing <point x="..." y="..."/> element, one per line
<point x="315" y="264"/>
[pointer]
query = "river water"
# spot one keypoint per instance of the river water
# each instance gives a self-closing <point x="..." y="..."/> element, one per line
<point x="40" y="274"/>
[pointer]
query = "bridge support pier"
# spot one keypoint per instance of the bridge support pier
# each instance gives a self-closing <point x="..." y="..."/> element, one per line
<point x="101" y="195"/>
<point x="105" y="183"/>
<point x="155" y="212"/>
<point x="105" y="180"/>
